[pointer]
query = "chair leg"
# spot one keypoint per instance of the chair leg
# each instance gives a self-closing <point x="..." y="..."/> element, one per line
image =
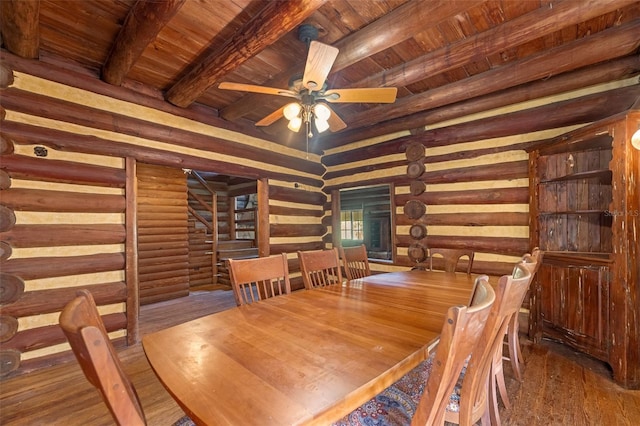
<point x="492" y="415"/>
<point x="515" y="353"/>
<point x="497" y="380"/>
<point x="502" y="387"/>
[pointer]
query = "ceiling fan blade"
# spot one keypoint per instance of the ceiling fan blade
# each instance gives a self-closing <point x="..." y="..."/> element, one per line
<point x="319" y="62"/>
<point x="335" y="122"/>
<point x="271" y="118"/>
<point x="257" y="89"/>
<point x="380" y="95"/>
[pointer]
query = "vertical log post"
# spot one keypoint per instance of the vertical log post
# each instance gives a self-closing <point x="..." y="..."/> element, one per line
<point x="262" y="221"/>
<point x="131" y="248"/>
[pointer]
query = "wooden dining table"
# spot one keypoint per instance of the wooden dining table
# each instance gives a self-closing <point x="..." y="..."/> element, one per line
<point x="309" y="357"/>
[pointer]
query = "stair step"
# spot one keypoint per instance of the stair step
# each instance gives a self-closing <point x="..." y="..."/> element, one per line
<point x="234" y="244"/>
<point x="240" y="253"/>
<point x="247" y="256"/>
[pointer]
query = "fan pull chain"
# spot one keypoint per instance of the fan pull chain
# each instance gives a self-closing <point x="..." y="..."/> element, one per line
<point x="308" y="136"/>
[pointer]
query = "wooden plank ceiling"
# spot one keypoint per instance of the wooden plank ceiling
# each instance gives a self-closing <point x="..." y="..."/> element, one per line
<point x="447" y="58"/>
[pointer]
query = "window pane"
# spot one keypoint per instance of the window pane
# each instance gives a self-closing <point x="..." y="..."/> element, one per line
<point x="351" y="225"/>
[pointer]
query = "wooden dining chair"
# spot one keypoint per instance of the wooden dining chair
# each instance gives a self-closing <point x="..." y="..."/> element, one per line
<point x="451" y="258"/>
<point x="320" y="268"/>
<point x="476" y="392"/>
<point x="355" y="262"/>
<point x="531" y="263"/>
<point x="82" y="325"/>
<point x="259" y="278"/>
<point x="422" y="396"/>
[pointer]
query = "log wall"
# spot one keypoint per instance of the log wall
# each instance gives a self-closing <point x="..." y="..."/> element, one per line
<point x="63" y="216"/>
<point x="64" y="230"/>
<point x="295" y="222"/>
<point x="478" y="202"/>
<point x="475" y="176"/>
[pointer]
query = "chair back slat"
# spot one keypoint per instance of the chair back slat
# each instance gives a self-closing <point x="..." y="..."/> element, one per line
<point x="451" y="258"/>
<point x="355" y="262"/>
<point x="259" y="278"/>
<point x="82" y="325"/>
<point x="460" y="334"/>
<point x="320" y="268"/>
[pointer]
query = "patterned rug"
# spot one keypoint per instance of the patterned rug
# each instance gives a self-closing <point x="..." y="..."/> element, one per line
<point x="184" y="421"/>
<point x="396" y="405"/>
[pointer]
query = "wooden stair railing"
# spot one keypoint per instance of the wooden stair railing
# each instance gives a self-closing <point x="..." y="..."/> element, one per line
<point x="211" y="226"/>
<point x="198" y="216"/>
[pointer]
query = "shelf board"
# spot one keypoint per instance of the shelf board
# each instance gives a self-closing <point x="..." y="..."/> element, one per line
<point x="604" y="175"/>
<point x="594" y="142"/>
<point x="574" y="212"/>
<point x="578" y="257"/>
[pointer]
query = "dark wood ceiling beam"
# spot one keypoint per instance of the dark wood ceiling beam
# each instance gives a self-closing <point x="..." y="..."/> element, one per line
<point x="605" y="45"/>
<point x="274" y="21"/>
<point x="142" y="25"/>
<point x="596" y="74"/>
<point x="399" y="25"/>
<point x="21" y="27"/>
<point x="509" y="34"/>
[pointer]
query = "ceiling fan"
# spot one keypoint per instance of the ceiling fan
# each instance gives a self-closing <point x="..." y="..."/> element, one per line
<point x="311" y="92"/>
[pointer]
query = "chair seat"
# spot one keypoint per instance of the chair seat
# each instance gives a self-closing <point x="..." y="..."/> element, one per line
<point x="396" y="405"/>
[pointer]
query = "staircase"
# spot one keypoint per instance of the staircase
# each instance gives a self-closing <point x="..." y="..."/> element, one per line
<point x="232" y="249"/>
<point x="201" y="264"/>
<point x="214" y="220"/>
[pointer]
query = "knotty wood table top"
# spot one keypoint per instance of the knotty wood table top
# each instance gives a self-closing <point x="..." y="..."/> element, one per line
<point x="305" y="358"/>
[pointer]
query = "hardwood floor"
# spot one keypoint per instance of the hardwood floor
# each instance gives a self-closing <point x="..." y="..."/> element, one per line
<point x="560" y="387"/>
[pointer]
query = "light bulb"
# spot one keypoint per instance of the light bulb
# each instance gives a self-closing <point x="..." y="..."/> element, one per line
<point x="291" y="111"/>
<point x="635" y="139"/>
<point x="321" y="125"/>
<point x="322" y="112"/>
<point x="294" y="124"/>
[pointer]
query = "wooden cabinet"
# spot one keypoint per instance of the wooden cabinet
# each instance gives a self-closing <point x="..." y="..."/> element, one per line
<point x="575" y="303"/>
<point x="585" y="212"/>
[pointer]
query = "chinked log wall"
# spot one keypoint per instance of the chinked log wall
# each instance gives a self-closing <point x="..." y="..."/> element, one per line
<point x="57" y="241"/>
<point x="54" y="230"/>
<point x="476" y="175"/>
<point x="295" y="221"/>
<point x="476" y="198"/>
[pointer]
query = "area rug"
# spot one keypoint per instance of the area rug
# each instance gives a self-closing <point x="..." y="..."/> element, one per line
<point x="396" y="405"/>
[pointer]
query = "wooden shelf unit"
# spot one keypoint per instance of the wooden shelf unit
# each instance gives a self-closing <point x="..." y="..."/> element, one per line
<point x="584" y="209"/>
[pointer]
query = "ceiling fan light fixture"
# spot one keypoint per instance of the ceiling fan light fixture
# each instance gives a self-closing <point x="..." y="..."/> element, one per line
<point x="294" y="124"/>
<point x="635" y="139"/>
<point x="321" y="112"/>
<point x="310" y="87"/>
<point x="292" y="111"/>
<point x="321" y="125"/>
